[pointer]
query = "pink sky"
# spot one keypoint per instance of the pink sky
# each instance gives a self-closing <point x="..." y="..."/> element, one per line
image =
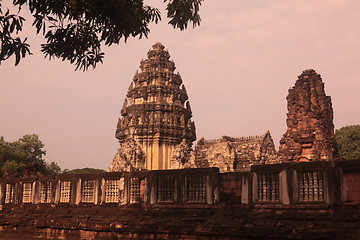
<point x="237" y="67"/>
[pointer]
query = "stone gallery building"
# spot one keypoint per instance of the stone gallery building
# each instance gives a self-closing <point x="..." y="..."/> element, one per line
<point x="159" y="187"/>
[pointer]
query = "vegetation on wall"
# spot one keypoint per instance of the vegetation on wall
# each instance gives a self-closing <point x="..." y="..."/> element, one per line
<point x="348" y="140"/>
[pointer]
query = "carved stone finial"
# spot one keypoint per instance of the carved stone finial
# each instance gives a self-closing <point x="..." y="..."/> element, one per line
<point x="131" y="86"/>
<point x="124" y="108"/>
<point x="188" y="105"/>
<point x="184" y="89"/>
<point x="158" y="46"/>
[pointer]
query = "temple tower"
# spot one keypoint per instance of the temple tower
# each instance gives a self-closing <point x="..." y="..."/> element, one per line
<point x="310" y="132"/>
<point x="155" y="130"/>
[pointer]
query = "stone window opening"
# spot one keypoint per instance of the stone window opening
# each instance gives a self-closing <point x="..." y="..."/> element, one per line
<point x="166" y="189"/>
<point x="45" y="192"/>
<point x="88" y="191"/>
<point x="134" y="190"/>
<point x="27" y="193"/>
<point x="196" y="188"/>
<point x="268" y="187"/>
<point x="112" y="190"/>
<point x="310" y="186"/>
<point x="9" y="193"/>
<point x="65" y="191"/>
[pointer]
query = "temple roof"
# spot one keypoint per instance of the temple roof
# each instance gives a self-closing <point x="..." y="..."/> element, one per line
<point x="237" y="140"/>
<point x="157" y="103"/>
<point x="235" y="153"/>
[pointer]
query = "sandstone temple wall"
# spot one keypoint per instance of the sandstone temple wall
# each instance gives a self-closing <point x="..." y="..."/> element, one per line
<point x="119" y="188"/>
<point x="285" y="184"/>
<point x="310" y="200"/>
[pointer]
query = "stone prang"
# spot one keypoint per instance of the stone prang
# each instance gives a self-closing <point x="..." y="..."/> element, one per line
<point x="310" y="128"/>
<point x="155" y="130"/>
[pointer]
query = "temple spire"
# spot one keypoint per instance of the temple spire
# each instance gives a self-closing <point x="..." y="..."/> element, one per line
<point x="156" y="122"/>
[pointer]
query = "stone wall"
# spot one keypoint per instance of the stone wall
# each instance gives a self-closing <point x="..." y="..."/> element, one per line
<point x="231" y="186"/>
<point x="215" y="222"/>
<point x="286" y="183"/>
<point x="350" y="181"/>
<point x="352" y="186"/>
<point x="309" y="200"/>
<point x="186" y="186"/>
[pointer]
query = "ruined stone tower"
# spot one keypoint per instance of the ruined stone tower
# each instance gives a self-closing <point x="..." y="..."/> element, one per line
<point x="310" y="132"/>
<point x="155" y="130"/>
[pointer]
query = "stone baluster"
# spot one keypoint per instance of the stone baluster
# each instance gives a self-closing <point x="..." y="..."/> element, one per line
<point x="321" y="187"/>
<point x="306" y="187"/>
<point x="203" y="188"/>
<point x="316" y="186"/>
<point x="267" y="185"/>
<point x="273" y="186"/>
<point x="260" y="187"/>
<point x="311" y="186"/>
<point x="301" y="186"/>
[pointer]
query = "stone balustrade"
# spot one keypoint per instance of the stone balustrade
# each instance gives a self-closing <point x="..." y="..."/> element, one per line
<point x="306" y="183"/>
<point x="141" y="187"/>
